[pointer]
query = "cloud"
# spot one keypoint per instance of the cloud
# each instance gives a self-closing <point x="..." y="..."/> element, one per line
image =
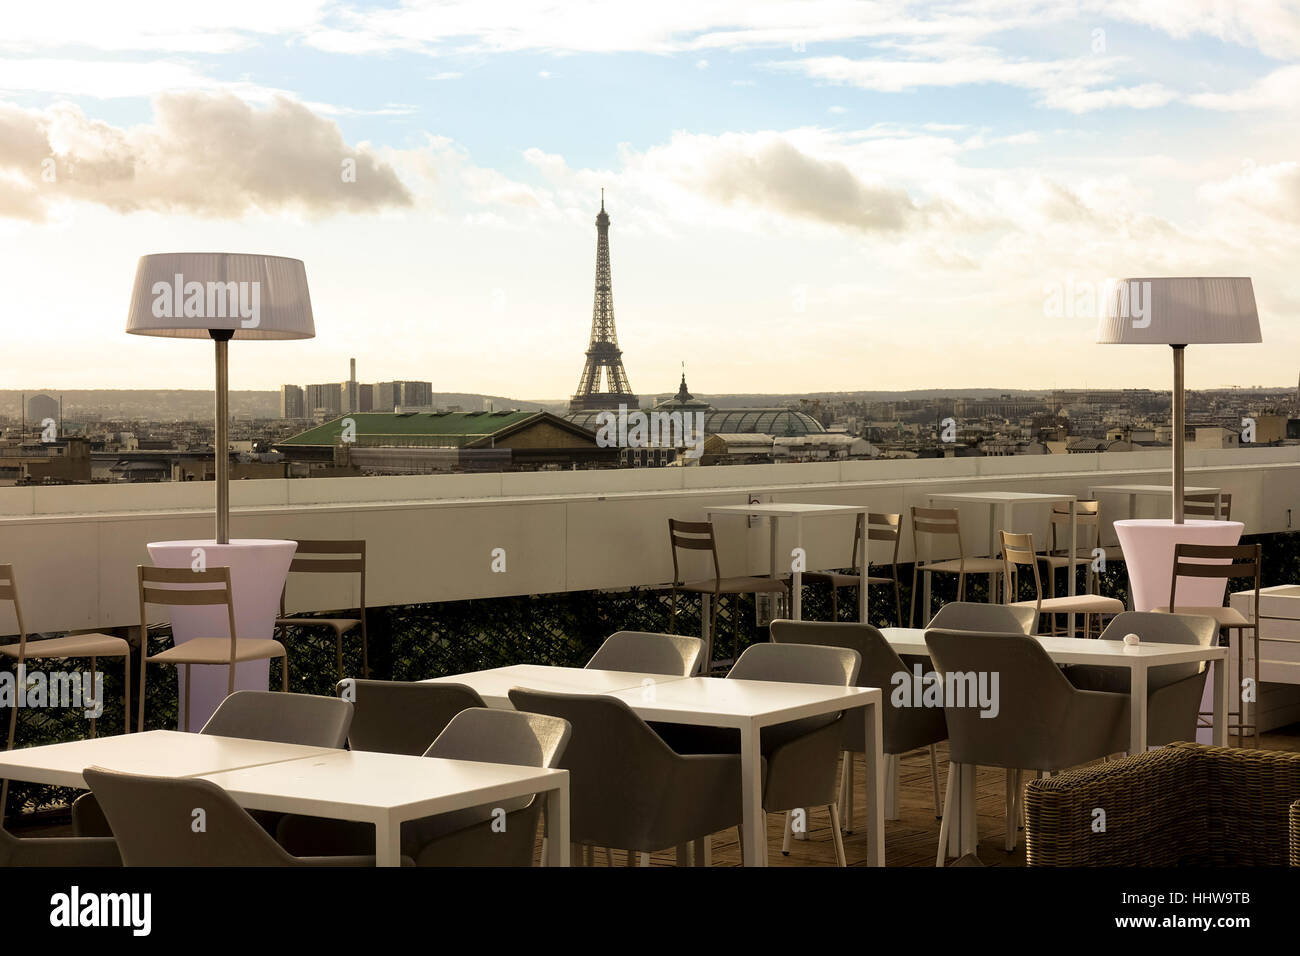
<point x="1278" y="90"/>
<point x="205" y="155"/>
<point x="1273" y="190"/>
<point x="1271" y="26"/>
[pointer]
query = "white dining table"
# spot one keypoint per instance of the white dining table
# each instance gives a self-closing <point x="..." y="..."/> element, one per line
<point x="743" y="705"/>
<point x="494" y="684"/>
<point x="387" y="790"/>
<point x="1138" y="659"/>
<point x="1133" y="492"/>
<point x="795" y="512"/>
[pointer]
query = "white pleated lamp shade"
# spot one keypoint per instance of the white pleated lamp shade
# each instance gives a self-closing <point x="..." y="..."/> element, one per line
<point x="1180" y="311"/>
<point x="187" y="294"/>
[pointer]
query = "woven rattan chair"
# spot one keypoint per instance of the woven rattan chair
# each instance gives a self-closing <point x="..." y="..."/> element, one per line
<point x="881" y="527"/>
<point x="1182" y="805"/>
<point x="331" y="557"/>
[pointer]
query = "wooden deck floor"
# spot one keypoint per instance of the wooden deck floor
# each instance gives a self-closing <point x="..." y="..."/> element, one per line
<point x="913" y="839"/>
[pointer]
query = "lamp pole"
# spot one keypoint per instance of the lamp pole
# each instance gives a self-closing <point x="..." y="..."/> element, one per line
<point x="1180" y="429"/>
<point x="221" y="440"/>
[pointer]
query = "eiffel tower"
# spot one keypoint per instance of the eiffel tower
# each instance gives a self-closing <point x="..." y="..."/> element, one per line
<point x="603" y="351"/>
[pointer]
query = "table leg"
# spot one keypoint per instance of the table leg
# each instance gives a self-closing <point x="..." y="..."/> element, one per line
<point x="706" y="633"/>
<point x="751" y="783"/>
<point x="875" y="785"/>
<point x="993" y="547"/>
<point x="557" y="816"/>
<point x="1220" y="734"/>
<point x="388" y="843"/>
<point x="1218" y="505"/>
<point x="1137" y="737"/>
<point x="796" y="580"/>
<point x="893" y="774"/>
<point x="968" y="831"/>
<point x="866" y="563"/>
<point x="1074" y="556"/>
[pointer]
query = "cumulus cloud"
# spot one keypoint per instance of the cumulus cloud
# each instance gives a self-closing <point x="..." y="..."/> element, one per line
<point x="205" y="155"/>
<point x="1273" y="190"/>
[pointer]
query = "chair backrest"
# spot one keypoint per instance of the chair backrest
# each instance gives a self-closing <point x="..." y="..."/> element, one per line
<point x="401" y="717"/>
<point x="692" y="536"/>
<point x="282" y="718"/>
<point x="489" y="735"/>
<point x="156" y="822"/>
<point x="182" y="587"/>
<point x="1202" y="506"/>
<point x="987" y="618"/>
<point x="798" y="664"/>
<point x="1229" y="561"/>
<point x="1017" y="550"/>
<point x="325" y="556"/>
<point x="620" y="771"/>
<point x="1010" y="677"/>
<point x="935" y="521"/>
<point x="647" y="653"/>
<point x="880" y="527"/>
<point x="1155" y="628"/>
<point x="9" y="592"/>
<point x="1087" y="515"/>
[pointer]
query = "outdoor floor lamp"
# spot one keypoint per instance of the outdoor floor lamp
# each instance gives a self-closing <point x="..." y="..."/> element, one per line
<point x="221" y="296"/>
<point x="1178" y="312"/>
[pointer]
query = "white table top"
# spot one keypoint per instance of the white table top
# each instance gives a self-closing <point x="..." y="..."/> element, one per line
<point x="1075" y="650"/>
<point x="232" y="543"/>
<point x="787" y="509"/>
<point x="494" y="685"/>
<point x="1001" y="497"/>
<point x="355" y="785"/>
<point x="164" y="753"/>
<point x="1151" y="490"/>
<point x="723" y="702"/>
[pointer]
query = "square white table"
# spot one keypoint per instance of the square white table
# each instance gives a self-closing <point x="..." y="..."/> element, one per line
<point x="749" y="706"/>
<point x="494" y="685"/>
<point x="773" y="512"/>
<point x="1137" y="658"/>
<point x="386" y="790"/>
<point x="160" y="753"/>
<point x="1156" y="491"/>
<point x="1002" y="502"/>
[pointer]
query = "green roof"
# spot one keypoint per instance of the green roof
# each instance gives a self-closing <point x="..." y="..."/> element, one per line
<point x="435" y="429"/>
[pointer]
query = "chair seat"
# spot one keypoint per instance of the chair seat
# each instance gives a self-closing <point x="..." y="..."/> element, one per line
<point x="736" y="586"/>
<point x="73" y="645"/>
<point x="839" y="579"/>
<point x="1225" y="616"/>
<point x="216" y="650"/>
<point x="340" y="624"/>
<point x="1079" y="604"/>
<point x="1113" y="553"/>
<point x="970" y="566"/>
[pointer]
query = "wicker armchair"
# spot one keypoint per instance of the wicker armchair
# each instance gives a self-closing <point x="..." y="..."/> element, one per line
<point x="1183" y="805"/>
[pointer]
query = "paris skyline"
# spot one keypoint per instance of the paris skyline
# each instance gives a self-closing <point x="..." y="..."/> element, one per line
<point x="884" y="206"/>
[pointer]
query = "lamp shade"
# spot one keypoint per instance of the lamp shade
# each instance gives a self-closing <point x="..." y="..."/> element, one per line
<point x="187" y="294"/>
<point x="1180" y="311"/>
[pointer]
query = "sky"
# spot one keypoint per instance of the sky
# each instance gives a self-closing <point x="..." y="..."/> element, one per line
<point x="804" y="196"/>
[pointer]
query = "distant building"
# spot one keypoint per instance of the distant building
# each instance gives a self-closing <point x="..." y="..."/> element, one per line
<point x="41" y="407"/>
<point x="365" y="398"/>
<point x="328" y="398"/>
<point x="291" y="402"/>
<point x="391" y="395"/>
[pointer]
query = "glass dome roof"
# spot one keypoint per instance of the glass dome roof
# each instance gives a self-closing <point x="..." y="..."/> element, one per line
<point x="777" y="422"/>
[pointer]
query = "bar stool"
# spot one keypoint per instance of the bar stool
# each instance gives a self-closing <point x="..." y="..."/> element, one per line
<point x="331" y="557"/>
<point x="944" y="522"/>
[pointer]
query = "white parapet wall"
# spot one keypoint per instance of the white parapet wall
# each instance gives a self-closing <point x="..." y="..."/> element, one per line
<point x="431" y="537"/>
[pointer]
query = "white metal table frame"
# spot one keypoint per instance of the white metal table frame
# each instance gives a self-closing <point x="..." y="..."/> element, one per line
<point x="773" y="512"/>
<point x="1138" y="658"/>
<point x="1156" y="491"/>
<point x="319" y="786"/>
<point x="1002" y="502"/>
<point x="494" y="684"/>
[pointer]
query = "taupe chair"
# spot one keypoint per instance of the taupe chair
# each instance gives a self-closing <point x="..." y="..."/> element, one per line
<point x="943" y="523"/>
<point x="176" y="587"/>
<point x="1017" y="552"/>
<point x="1057" y="557"/>
<point x="93" y="646"/>
<point x="698" y="536"/>
<point x="881" y="527"/>
<point x="904" y="728"/>
<point x="401" y="717"/>
<point x="1202" y="506"/>
<point x="630" y="790"/>
<point x="1042" y="723"/>
<point x="156" y="823"/>
<point x="58" y="851"/>
<point x="803" y="755"/>
<point x="464" y="837"/>
<point x="647" y="653"/>
<point x="1230" y="561"/>
<point x="272" y="716"/>
<point x="331" y="557"/>
<point x="1174" y="691"/>
<point x="987" y="618"/>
